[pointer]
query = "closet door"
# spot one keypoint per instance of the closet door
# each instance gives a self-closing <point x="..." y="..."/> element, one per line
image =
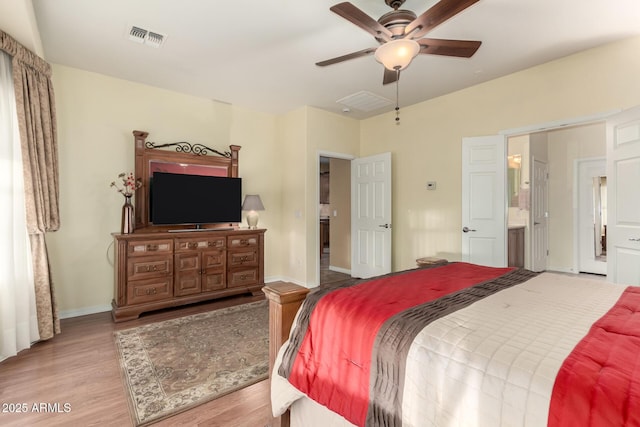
<point x="623" y="197"/>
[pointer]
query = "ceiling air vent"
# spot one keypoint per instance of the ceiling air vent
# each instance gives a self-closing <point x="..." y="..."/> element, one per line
<point x="364" y="101"/>
<point x="137" y="34"/>
<point x="142" y="36"/>
<point x="154" y="39"/>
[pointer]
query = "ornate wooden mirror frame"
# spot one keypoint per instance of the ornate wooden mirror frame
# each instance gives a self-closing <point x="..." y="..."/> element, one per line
<point x="186" y="158"/>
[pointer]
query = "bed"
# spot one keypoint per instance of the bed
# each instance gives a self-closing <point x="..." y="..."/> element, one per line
<point x="457" y="345"/>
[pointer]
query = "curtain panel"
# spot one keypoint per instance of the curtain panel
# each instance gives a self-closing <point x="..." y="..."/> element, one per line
<point x="18" y="316"/>
<point x="35" y="105"/>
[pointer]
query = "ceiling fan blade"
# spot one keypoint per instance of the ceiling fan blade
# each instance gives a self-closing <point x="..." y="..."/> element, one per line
<point x="435" y="16"/>
<point x="363" y="52"/>
<point x="390" y="76"/>
<point x="351" y="13"/>
<point x="459" y="48"/>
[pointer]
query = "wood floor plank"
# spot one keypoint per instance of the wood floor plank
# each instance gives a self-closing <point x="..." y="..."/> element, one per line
<point x="79" y="368"/>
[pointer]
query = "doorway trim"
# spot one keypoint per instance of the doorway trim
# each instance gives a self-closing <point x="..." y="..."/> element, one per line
<point x="557" y="124"/>
<point x="316" y="216"/>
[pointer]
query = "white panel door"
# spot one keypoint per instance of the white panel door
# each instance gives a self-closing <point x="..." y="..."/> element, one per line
<point x="371" y="216"/>
<point x="623" y="197"/>
<point x="484" y="200"/>
<point x="539" y="214"/>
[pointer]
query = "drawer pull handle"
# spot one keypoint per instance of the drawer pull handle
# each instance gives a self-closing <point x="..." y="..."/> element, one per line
<point x="151" y="291"/>
<point x="152" y="247"/>
<point x="192" y="245"/>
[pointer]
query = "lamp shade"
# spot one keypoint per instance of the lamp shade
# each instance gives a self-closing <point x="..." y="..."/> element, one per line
<point x="252" y="202"/>
<point x="397" y="54"/>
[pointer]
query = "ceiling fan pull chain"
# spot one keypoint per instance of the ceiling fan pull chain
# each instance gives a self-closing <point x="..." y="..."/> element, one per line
<point x="397" y="96"/>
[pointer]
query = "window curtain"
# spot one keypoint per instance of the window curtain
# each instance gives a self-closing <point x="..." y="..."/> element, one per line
<point x="18" y="319"/>
<point x="35" y="109"/>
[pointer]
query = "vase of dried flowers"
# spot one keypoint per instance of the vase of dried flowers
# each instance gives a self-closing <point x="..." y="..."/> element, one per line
<point x="127" y="187"/>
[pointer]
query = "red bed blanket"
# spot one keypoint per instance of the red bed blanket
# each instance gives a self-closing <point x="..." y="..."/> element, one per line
<point x="358" y="374"/>
<point x="599" y="383"/>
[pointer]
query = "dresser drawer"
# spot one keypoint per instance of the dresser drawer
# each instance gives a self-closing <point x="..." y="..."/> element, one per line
<point x="149" y="247"/>
<point x="195" y="244"/>
<point x="243" y="277"/>
<point x="147" y="290"/>
<point x="242" y="241"/>
<point x="214" y="259"/>
<point x="239" y="258"/>
<point x="146" y="267"/>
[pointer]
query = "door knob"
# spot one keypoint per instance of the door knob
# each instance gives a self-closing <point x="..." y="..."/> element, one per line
<point x="385" y="225"/>
<point x="467" y="229"/>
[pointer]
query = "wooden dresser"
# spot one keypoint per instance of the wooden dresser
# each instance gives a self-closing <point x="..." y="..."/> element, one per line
<point x="164" y="269"/>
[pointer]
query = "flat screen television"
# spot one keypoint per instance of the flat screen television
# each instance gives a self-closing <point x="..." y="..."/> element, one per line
<point x="178" y="199"/>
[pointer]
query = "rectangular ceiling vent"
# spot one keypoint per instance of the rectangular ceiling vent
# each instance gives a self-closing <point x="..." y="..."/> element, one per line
<point x="142" y="36"/>
<point x="364" y="101"/>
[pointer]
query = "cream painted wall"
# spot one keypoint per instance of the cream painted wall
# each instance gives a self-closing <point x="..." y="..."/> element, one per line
<point x="18" y="19"/>
<point x="565" y="146"/>
<point x="96" y="117"/>
<point x="538" y="146"/>
<point x="427" y="143"/>
<point x="292" y="151"/>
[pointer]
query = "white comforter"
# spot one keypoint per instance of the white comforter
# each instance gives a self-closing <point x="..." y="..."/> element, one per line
<point x="493" y="363"/>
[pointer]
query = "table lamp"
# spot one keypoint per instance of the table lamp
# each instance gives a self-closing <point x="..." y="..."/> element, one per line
<point x="252" y="203"/>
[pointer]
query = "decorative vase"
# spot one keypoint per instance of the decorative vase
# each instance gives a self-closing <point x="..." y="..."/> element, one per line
<point x="127" y="216"/>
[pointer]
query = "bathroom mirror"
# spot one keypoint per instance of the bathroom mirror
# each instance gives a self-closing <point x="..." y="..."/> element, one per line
<point x="514" y="168"/>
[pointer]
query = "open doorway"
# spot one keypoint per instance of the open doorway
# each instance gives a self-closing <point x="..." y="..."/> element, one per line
<point x="573" y="209"/>
<point x="334" y="207"/>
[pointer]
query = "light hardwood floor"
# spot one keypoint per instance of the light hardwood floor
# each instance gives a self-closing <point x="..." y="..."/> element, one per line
<point x="80" y="368"/>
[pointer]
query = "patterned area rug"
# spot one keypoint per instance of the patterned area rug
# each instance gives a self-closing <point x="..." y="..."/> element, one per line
<point x="177" y="364"/>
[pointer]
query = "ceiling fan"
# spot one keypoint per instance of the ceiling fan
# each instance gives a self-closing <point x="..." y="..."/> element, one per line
<point x="400" y="32"/>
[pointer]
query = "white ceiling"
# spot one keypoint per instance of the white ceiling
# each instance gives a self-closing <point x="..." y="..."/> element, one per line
<point x="260" y="54"/>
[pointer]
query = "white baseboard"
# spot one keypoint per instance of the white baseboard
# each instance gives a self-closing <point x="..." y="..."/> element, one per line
<point x="272" y="279"/>
<point x="340" y="270"/>
<point x="566" y="270"/>
<point x="66" y="314"/>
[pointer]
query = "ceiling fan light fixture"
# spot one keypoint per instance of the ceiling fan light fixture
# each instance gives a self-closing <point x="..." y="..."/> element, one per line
<point x="397" y="54"/>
